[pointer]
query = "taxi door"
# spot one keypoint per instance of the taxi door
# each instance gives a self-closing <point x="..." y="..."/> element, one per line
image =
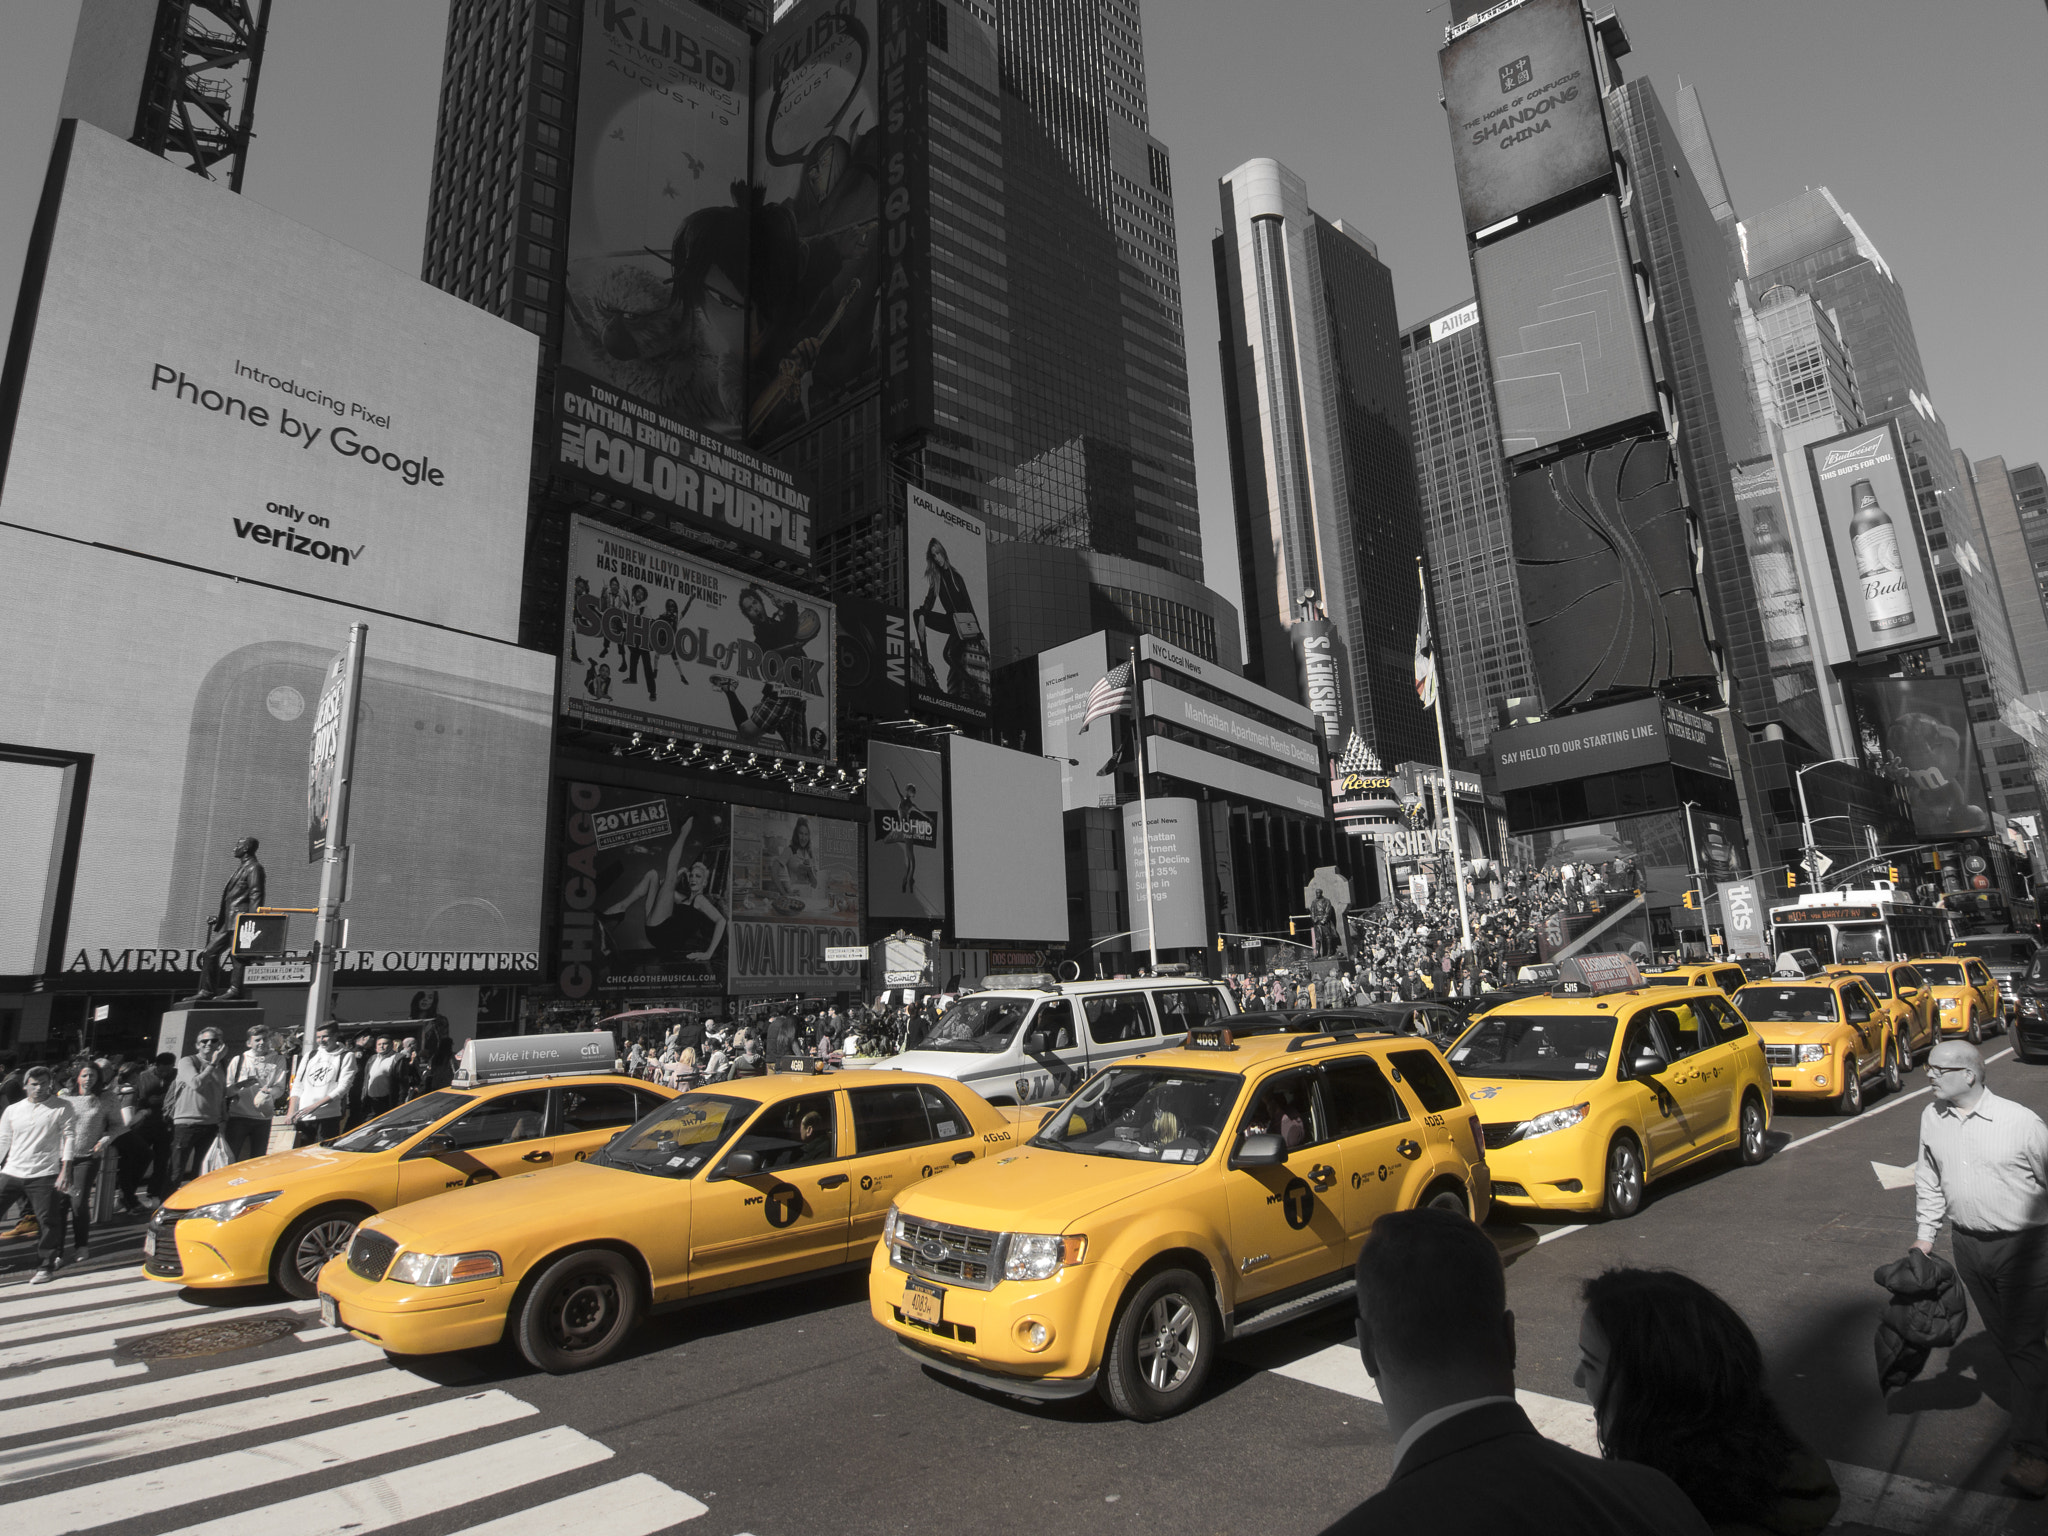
<point x="589" y="1115"/>
<point x="504" y="1135"/>
<point x="1992" y="1007"/>
<point x="1049" y="1075"/>
<point x="787" y="1215"/>
<point x="901" y="1136"/>
<point x="1702" y="1075"/>
<point x="1286" y="1220"/>
<point x="1378" y="1146"/>
<point x="1913" y="992"/>
<point x="1654" y="1099"/>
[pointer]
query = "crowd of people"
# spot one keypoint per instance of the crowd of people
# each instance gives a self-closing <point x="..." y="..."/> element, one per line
<point x="694" y="1051"/>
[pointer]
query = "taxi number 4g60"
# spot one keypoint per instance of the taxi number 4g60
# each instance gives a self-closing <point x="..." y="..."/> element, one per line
<point x="924" y="1303"/>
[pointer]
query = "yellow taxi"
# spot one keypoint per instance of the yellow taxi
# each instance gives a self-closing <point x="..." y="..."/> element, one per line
<point x="532" y="1102"/>
<point x="1966" y="998"/>
<point x="1178" y="1199"/>
<point x="1606" y="1083"/>
<point x="1825" y="1036"/>
<point x="1902" y="992"/>
<point x="743" y="1183"/>
<point x="1723" y="975"/>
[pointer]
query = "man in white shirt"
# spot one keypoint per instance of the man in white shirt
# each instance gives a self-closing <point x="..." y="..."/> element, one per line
<point x="320" y="1089"/>
<point x="35" y="1161"/>
<point x="1983" y="1166"/>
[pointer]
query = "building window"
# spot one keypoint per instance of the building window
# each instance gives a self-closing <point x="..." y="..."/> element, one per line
<point x="548" y="134"/>
<point x="534" y="319"/>
<point x="547" y="165"/>
<point x="537" y="288"/>
<point x="543" y="194"/>
<point x="550" y="106"/>
<point x="542" y="224"/>
<point x="539" y="255"/>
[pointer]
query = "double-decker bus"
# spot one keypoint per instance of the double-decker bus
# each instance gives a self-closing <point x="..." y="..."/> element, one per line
<point x="1852" y="926"/>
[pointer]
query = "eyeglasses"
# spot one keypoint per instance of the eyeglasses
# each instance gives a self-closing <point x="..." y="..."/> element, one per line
<point x="1937" y="1071"/>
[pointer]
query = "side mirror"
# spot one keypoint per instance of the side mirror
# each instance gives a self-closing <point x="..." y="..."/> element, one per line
<point x="1045" y="1119"/>
<point x="1261" y="1151"/>
<point x="740" y="1165"/>
<point x="1649" y="1061"/>
<point x="1037" y="1043"/>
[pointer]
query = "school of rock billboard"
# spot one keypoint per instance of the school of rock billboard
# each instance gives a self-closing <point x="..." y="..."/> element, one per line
<point x="1882" y="579"/>
<point x="948" y="585"/>
<point x="656" y="640"/>
<point x="906" y="853"/>
<point x="644" y="899"/>
<point x="795" y="894"/>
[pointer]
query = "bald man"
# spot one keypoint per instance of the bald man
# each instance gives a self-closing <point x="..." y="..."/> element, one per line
<point x="1984" y="1166"/>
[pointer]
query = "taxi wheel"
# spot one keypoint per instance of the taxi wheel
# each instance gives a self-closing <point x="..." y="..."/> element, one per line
<point x="1851" y="1100"/>
<point x="1623" y="1189"/>
<point x="579" y="1311"/>
<point x="308" y="1244"/>
<point x="1162" y="1348"/>
<point x="1975" y="1033"/>
<point x="1754" y="1145"/>
<point x="1894" y="1067"/>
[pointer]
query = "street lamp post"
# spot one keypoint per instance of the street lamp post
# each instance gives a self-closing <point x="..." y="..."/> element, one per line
<point x="1806" y="816"/>
<point x="1699" y="889"/>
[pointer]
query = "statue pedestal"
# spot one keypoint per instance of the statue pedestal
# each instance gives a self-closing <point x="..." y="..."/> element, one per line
<point x="181" y="1025"/>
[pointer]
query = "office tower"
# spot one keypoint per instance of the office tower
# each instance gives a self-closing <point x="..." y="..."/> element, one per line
<point x="1799" y="368"/>
<point x="1322" y="468"/>
<point x="1482" y="639"/>
<point x="2018" y="535"/>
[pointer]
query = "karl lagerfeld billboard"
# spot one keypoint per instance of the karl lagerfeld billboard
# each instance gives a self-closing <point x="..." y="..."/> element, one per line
<point x="1888" y="596"/>
<point x="1524" y="111"/>
<point x="948" y="585"/>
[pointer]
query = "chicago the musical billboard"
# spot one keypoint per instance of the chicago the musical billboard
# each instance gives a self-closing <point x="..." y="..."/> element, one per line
<point x="645" y="899"/>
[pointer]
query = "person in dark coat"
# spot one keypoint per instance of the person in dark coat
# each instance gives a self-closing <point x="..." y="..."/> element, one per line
<point x="1439" y="1341"/>
<point x="781" y="1037"/>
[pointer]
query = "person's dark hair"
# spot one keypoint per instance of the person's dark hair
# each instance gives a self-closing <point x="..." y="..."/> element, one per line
<point x="1432" y="1289"/>
<point x="1683" y="1392"/>
<point x="86" y="1064"/>
<point x="38" y="1074"/>
<point x="164" y="1059"/>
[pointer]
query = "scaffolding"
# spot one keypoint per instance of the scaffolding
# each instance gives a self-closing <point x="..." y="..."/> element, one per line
<point x="199" y="87"/>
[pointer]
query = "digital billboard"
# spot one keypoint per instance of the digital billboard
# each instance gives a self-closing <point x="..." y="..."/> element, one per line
<point x="1916" y="732"/>
<point x="1565" y="330"/>
<point x="1597" y="741"/>
<point x="207" y="383"/>
<point x="1067" y="674"/>
<point x="645" y="898"/>
<point x="1879" y="557"/>
<point x="656" y="640"/>
<point x="1524" y="110"/>
<point x="795" y="894"/>
<point x="1173" y="828"/>
<point x="906" y="855"/>
<point x="198" y="725"/>
<point x="1769" y="538"/>
<point x="948" y="586"/>
<point x="1005" y="845"/>
<point x="873" y="647"/>
<point x="817" y="171"/>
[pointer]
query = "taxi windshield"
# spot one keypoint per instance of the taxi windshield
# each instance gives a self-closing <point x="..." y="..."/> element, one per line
<point x="982" y="1025"/>
<point x="1535" y="1045"/>
<point x="1667" y="979"/>
<point x="1877" y="981"/>
<point x="1787" y="1005"/>
<point x="1940" y="973"/>
<point x="400" y="1124"/>
<point x="679" y="1138"/>
<point x="1154" y="1114"/>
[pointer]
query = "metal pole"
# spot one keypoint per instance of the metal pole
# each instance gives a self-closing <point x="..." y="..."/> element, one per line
<point x="1806" y="821"/>
<point x="334" y="861"/>
<point x="1699" y="890"/>
<point x="1443" y="755"/>
<point x="1144" y="814"/>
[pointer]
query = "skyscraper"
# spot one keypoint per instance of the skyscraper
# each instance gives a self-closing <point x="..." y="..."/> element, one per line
<point x="2018" y="536"/>
<point x="1483" y="640"/>
<point x="1322" y="464"/>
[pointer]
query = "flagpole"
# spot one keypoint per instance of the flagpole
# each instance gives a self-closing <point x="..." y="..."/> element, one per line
<point x="1443" y="758"/>
<point x="1144" y="813"/>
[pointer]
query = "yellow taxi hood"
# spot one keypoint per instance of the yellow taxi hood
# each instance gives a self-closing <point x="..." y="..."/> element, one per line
<point x="547" y="1200"/>
<point x="1498" y="1100"/>
<point x="1035" y="1189"/>
<point x="1792" y="1034"/>
<point x="279" y="1170"/>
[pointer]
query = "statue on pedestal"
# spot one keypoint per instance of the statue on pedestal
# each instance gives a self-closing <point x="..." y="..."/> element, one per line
<point x="220" y="970"/>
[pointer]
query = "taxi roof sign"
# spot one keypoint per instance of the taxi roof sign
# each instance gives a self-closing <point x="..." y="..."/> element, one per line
<point x="1209" y="1038"/>
<point x="503" y="1059"/>
<point x="1594" y="975"/>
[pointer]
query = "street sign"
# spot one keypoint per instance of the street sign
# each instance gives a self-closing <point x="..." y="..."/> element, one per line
<point x="1818" y="864"/>
<point x="1252" y="944"/>
<point x="278" y="973"/>
<point x="259" y="934"/>
<point x="841" y="954"/>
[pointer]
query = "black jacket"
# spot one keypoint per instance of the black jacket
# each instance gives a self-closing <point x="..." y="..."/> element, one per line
<point x="1928" y="1311"/>
<point x="1487" y="1472"/>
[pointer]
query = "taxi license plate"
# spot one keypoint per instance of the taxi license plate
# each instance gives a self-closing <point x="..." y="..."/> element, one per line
<point x="330" y="1314"/>
<point x="924" y="1303"/>
<point x="149" y="1245"/>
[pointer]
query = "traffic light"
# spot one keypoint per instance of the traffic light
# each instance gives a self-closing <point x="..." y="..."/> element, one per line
<point x="1691" y="905"/>
<point x="1219" y="943"/>
<point x="1937" y="860"/>
<point x="1791" y="881"/>
<point x="1290" y="927"/>
<point x="1893" y="873"/>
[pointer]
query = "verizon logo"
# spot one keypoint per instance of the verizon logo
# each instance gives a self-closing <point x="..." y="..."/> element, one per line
<point x="291" y="540"/>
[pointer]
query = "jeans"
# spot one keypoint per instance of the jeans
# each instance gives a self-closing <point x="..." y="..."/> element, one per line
<point x="2007" y="1278"/>
<point x="42" y="1199"/>
<point x="306" y="1132"/>
<point x="189" y="1141"/>
<point x="246" y="1138"/>
<point x="85" y="1178"/>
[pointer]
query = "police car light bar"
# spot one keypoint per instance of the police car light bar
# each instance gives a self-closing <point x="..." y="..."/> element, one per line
<point x="1595" y="975"/>
<point x="507" y="1058"/>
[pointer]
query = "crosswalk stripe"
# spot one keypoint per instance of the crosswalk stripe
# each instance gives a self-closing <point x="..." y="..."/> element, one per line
<point x="140" y="1493"/>
<point x="162" y="1392"/>
<point x="50" y="1325"/>
<point x="1916" y="1508"/>
<point x="633" y="1506"/>
<point x="1340" y="1369"/>
<point x="62" y="1378"/>
<point x="49" y="1346"/>
<point x="76" y="1280"/>
<point x="44" y="1300"/>
<point x="99" y="1447"/>
<point x="427" y="1489"/>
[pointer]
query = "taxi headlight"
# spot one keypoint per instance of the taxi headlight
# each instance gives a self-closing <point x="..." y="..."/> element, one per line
<point x="1039" y="1255"/>
<point x="889" y="1226"/>
<point x="228" y="1210"/>
<point x="444" y="1268"/>
<point x="1813" y="1053"/>
<point x="1553" y="1120"/>
<point x="1946" y="1004"/>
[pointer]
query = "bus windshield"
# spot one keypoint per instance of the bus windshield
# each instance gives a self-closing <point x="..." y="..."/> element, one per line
<point x="1857" y="944"/>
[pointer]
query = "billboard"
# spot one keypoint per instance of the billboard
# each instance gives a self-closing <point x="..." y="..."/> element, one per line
<point x="1315" y="660"/>
<point x="660" y="641"/>
<point x="208" y="383"/>
<point x="1174" y="829"/>
<point x="795" y="894"/>
<point x="645" y="897"/>
<point x="1565" y="330"/>
<point x="1916" y="732"/>
<point x="1006" y="853"/>
<point x="198" y="726"/>
<point x="1767" y="535"/>
<point x="948" y="553"/>
<point x="1066" y="675"/>
<point x="1596" y="741"/>
<point x="873" y="647"/>
<point x="1875" y="546"/>
<point x="906" y="857"/>
<point x="1743" y="918"/>
<point x="1524" y="110"/>
<point x="1178" y="707"/>
<point x="817" y="171"/>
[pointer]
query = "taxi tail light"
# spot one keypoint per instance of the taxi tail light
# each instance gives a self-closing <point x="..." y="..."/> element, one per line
<point x="1478" y="1140"/>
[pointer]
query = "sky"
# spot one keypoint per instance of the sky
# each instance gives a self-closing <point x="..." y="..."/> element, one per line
<point x="1926" y="120"/>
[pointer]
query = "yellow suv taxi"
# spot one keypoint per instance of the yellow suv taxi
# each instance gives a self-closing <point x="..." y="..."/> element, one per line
<point x="1723" y="975"/>
<point x="1593" y="1090"/>
<point x="532" y="1102"/>
<point x="742" y="1183"/>
<point x="1178" y="1199"/>
<point x="1966" y="1000"/>
<point x="1825" y="1036"/>
<point x="1902" y="993"/>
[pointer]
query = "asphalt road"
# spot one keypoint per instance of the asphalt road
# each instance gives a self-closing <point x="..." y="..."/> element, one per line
<point x="791" y="1413"/>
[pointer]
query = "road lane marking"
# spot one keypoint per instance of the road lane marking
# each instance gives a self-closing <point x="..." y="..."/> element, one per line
<point x="125" y="1277"/>
<point x="633" y="1506"/>
<point x="415" y="1492"/>
<point x="79" y="1453"/>
<point x="1339" y="1369"/>
<point x="191" y="1482"/>
<point x="1890" y="1175"/>
<point x="63" y="1378"/>
<point x="65" y="1345"/>
<point x="43" y="1301"/>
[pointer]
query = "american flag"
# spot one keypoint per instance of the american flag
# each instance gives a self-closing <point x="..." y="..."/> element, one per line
<point x="1110" y="695"/>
